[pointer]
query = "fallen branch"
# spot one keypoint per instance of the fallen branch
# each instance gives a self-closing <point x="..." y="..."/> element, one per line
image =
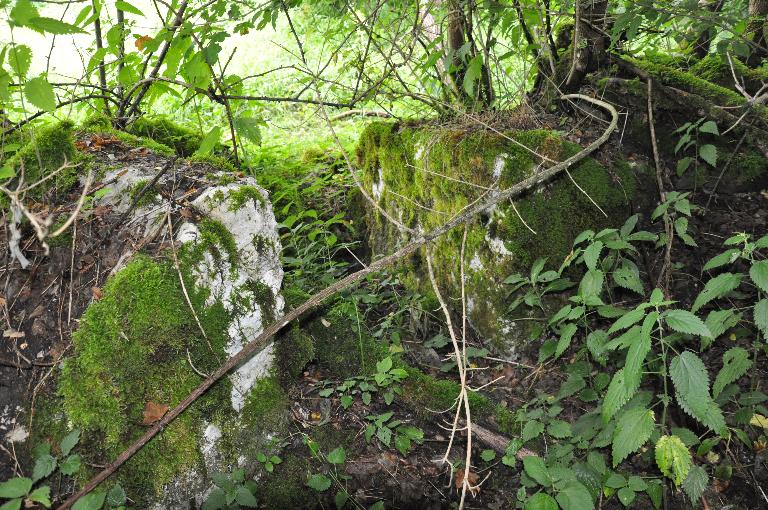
<point x="261" y="341"/>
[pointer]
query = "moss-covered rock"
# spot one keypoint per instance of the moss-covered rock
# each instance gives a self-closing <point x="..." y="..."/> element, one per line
<point x="49" y="149"/>
<point x="423" y="176"/>
<point x="183" y="140"/>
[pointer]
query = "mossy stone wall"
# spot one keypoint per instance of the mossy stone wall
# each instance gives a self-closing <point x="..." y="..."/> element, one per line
<point x="425" y="175"/>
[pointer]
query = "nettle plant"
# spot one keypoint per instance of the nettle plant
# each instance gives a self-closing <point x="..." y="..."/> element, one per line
<point x="29" y="491"/>
<point x="386" y="380"/>
<point x="660" y="377"/>
<point x="689" y="144"/>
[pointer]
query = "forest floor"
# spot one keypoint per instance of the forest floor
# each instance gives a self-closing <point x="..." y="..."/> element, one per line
<point x="46" y="301"/>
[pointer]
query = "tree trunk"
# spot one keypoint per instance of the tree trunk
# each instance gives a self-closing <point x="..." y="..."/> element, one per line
<point x="758" y="12"/>
<point x="455" y="37"/>
<point x="589" y="41"/>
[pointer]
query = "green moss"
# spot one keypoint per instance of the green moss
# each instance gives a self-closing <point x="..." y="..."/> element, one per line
<point x="138" y="141"/>
<point x="293" y="351"/>
<point x="266" y="406"/>
<point x="183" y="140"/>
<point x="51" y="147"/>
<point x="342" y="344"/>
<point x="430" y="174"/>
<point x="287" y="487"/>
<point x="150" y="197"/>
<point x="690" y="82"/>
<point x="131" y="348"/>
<point x="96" y="122"/>
<point x="217" y="162"/>
<point x="215" y="237"/>
<point x="241" y="195"/>
<point x="716" y="69"/>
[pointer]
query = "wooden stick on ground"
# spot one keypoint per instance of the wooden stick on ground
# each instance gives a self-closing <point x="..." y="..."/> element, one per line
<point x="261" y="341"/>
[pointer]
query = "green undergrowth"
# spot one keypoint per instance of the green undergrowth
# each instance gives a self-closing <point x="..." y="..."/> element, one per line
<point x="183" y="140"/>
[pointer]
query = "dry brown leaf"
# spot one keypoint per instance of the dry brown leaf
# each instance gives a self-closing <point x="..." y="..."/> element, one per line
<point x="97" y="293"/>
<point x="153" y="412"/>
<point x="2" y="301"/>
<point x="12" y="333"/>
<point x="142" y="41"/>
<point x="472" y="478"/>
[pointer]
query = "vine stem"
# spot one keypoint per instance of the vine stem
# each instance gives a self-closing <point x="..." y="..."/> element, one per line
<point x="262" y="340"/>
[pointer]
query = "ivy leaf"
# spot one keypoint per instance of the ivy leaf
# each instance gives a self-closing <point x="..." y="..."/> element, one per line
<point x="715" y="288"/>
<point x="684" y="321"/>
<point x="761" y="316"/>
<point x="691" y="381"/>
<point x="736" y="362"/>
<point x="318" y="482"/>
<point x="673" y="458"/>
<point x="40" y="93"/>
<point x="759" y="274"/>
<point x="695" y="483"/>
<point x="708" y="153"/>
<point x="15" y="487"/>
<point x="632" y="431"/>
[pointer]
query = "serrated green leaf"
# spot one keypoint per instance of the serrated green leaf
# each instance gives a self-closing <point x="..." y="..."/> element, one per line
<point x="44" y="466"/>
<point x="759" y="274"/>
<point x="318" y="482"/>
<point x="245" y="498"/>
<point x="736" y="362"/>
<point x="626" y="496"/>
<point x="761" y="317"/>
<point x="620" y="390"/>
<point x="91" y="501"/>
<point x="628" y="319"/>
<point x="684" y="321"/>
<point x="709" y="127"/>
<point x="632" y="431"/>
<point x="559" y="429"/>
<point x="116" y="496"/>
<point x="40" y="93"/>
<point x="691" y="381"/>
<point x="727" y="257"/>
<point x="19" y="58"/>
<point x="53" y="26"/>
<point x="708" y="153"/>
<point x="716" y="288"/>
<point x="15" y="487"/>
<point x="14" y="504"/>
<point x="673" y="458"/>
<point x="69" y="442"/>
<point x="126" y="7"/>
<point x="22" y="12"/>
<point x="337" y="456"/>
<point x="574" y="496"/>
<point x="70" y="465"/>
<point x="592" y="254"/>
<point x="341" y="499"/>
<point x="640" y="348"/>
<point x="535" y="468"/>
<point x="209" y="142"/>
<point x="532" y="429"/>
<point x="540" y="501"/>
<point x="488" y="455"/>
<point x="566" y="335"/>
<point x="627" y="275"/>
<point x="719" y="321"/>
<point x="695" y="483"/>
<point x="41" y="495"/>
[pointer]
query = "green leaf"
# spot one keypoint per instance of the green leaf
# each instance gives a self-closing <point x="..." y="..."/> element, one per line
<point x="759" y="274"/>
<point x="41" y="495"/>
<point x="472" y="74"/>
<point x="245" y="498"/>
<point x="626" y="496"/>
<point x="14" y="504"/>
<point x="70" y="465"/>
<point x="44" y="466"/>
<point x="691" y="381"/>
<point x="673" y="458"/>
<point x="40" y="93"/>
<point x="19" y="58"/>
<point x="318" y="482"/>
<point x="632" y="431"/>
<point x="384" y="365"/>
<point x="15" y="487"/>
<point x="616" y="481"/>
<point x="53" y="26"/>
<point x="619" y="392"/>
<point x="574" y="496"/>
<point x="708" y="153"/>
<point x="540" y="501"/>
<point x="761" y="316"/>
<point x="684" y="321"/>
<point x="719" y="321"/>
<point x="249" y="128"/>
<point x="559" y="429"/>
<point x="628" y="319"/>
<point x="22" y="12"/>
<point x="716" y="288"/>
<point x="727" y="257"/>
<point x="566" y="335"/>
<point x="69" y="442"/>
<point x="216" y="500"/>
<point x="337" y="456"/>
<point x="709" y="127"/>
<point x="627" y="275"/>
<point x="91" y="501"/>
<point x="531" y="430"/>
<point x="736" y="362"/>
<point x="535" y="468"/>
<point x="126" y="7"/>
<point x="116" y="496"/>
<point x="488" y="455"/>
<point x="209" y="142"/>
<point x="592" y="254"/>
<point x="341" y="499"/>
<point x="639" y="349"/>
<point x="695" y="483"/>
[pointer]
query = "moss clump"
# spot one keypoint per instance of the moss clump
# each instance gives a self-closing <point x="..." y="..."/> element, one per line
<point x="215" y="237"/>
<point x="218" y="162"/>
<point x="425" y="394"/>
<point x="424" y="175"/>
<point x="266" y="405"/>
<point x="96" y="122"/>
<point x="51" y="147"/>
<point x="241" y="195"/>
<point x="131" y="349"/>
<point x="717" y="69"/>
<point x="138" y="141"/>
<point x="183" y="140"/>
<point x="150" y="197"/>
<point x="287" y="487"/>
<point x="342" y="344"/>
<point x="293" y="351"/>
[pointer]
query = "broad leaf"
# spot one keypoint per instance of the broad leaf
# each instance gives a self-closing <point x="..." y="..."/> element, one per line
<point x="53" y="26"/>
<point x="673" y="458"/>
<point x="318" y="482"/>
<point x="574" y="496"/>
<point x="209" y="142"/>
<point x="15" y="487"/>
<point x="19" y="58"/>
<point x="40" y="93"/>
<point x="695" y="483"/>
<point x="684" y="321"/>
<point x="92" y="501"/>
<point x="633" y="429"/>
<point x="761" y="317"/>
<point x="535" y="468"/>
<point x="736" y="362"/>
<point x="759" y="274"/>
<point x="708" y="153"/>
<point x="691" y="381"/>
<point x="126" y="7"/>
<point x="723" y="259"/>
<point x="69" y="442"/>
<point x="540" y="501"/>
<point x="619" y="392"/>
<point x="715" y="288"/>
